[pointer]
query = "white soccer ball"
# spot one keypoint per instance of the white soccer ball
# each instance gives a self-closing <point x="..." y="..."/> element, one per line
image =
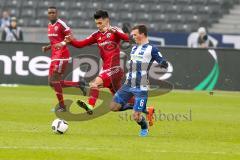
<point x="59" y="126"/>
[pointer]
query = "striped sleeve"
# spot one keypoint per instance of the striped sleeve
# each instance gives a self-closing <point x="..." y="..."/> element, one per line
<point x="156" y="55"/>
<point x="67" y="29"/>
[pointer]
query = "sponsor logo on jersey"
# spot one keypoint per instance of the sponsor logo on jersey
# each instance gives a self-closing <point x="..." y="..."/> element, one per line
<point x="104" y="43"/>
<point x="108" y="35"/>
<point x="135" y="57"/>
<point x="56" y="28"/>
<point x="52" y="35"/>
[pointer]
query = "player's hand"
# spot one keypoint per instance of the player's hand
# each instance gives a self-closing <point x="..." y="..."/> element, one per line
<point x="112" y="30"/>
<point x="46" y="48"/>
<point x="131" y="39"/>
<point x="68" y="38"/>
<point x="58" y="45"/>
<point x="164" y="64"/>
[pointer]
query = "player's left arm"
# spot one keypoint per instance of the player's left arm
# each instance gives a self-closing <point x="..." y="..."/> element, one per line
<point x="157" y="56"/>
<point x="46" y="48"/>
<point x="119" y="33"/>
<point x="67" y="32"/>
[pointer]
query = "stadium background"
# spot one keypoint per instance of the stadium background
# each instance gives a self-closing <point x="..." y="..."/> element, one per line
<point x="213" y="131"/>
<point x="170" y="22"/>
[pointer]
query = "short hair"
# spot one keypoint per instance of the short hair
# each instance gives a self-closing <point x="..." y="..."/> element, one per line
<point x="52" y="7"/>
<point x="100" y="14"/>
<point x="141" y="29"/>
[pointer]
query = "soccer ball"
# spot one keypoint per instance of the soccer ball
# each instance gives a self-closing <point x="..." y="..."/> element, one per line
<point x="59" y="126"/>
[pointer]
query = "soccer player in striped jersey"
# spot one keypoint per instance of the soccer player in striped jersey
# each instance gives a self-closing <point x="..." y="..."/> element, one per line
<point x="142" y="56"/>
<point x="57" y="30"/>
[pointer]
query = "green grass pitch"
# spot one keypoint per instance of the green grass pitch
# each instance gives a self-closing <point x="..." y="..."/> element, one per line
<point x="211" y="133"/>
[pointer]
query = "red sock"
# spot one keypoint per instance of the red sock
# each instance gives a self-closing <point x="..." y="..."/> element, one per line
<point x="94" y="92"/>
<point x="58" y="90"/>
<point x="69" y="84"/>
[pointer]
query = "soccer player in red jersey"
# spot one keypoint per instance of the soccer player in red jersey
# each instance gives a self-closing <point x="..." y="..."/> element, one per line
<point x="108" y="40"/>
<point x="57" y="30"/>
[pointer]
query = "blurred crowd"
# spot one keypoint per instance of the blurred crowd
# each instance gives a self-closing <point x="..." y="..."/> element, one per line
<point x="10" y="31"/>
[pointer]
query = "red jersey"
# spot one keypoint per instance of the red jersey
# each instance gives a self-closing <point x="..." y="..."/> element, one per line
<point x="108" y="44"/>
<point x="56" y="34"/>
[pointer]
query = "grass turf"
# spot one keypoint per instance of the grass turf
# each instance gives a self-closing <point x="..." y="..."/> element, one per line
<point x="212" y="131"/>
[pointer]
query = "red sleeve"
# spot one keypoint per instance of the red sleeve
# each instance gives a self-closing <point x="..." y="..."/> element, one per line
<point x="82" y="43"/>
<point x="66" y="28"/>
<point x="67" y="32"/>
<point x="121" y="35"/>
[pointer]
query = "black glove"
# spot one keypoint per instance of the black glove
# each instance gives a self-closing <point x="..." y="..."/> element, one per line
<point x="131" y="39"/>
<point x="164" y="64"/>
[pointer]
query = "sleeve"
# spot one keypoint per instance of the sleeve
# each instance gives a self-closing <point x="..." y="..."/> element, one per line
<point x="82" y="43"/>
<point x="121" y="35"/>
<point x="66" y="28"/>
<point x="156" y="55"/>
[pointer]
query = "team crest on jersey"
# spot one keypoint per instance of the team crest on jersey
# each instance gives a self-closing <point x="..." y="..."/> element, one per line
<point x="108" y="35"/>
<point x="56" y="28"/>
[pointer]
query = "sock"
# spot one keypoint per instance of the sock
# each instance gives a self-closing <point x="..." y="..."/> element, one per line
<point x="69" y="84"/>
<point x="58" y="90"/>
<point x="94" y="92"/>
<point x="143" y="123"/>
<point x="126" y="107"/>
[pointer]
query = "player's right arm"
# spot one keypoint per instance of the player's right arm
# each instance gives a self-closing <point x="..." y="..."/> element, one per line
<point x="46" y="48"/>
<point x="82" y="43"/>
<point x="69" y="39"/>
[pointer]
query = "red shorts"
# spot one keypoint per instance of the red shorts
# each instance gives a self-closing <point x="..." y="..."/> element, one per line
<point x="58" y="66"/>
<point x="112" y="78"/>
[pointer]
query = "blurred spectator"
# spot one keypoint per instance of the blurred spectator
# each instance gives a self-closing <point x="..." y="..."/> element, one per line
<point x="201" y="39"/>
<point x="12" y="32"/>
<point x="5" y="20"/>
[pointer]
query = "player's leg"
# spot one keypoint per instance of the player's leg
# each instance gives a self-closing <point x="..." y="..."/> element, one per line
<point x="120" y="98"/>
<point x="114" y="83"/>
<point x="139" y="107"/>
<point x="54" y="81"/>
<point x="93" y="95"/>
<point x="103" y="80"/>
<point x="64" y="83"/>
<point x="140" y="119"/>
<point x="81" y="84"/>
<point x="125" y="106"/>
<point x="150" y="113"/>
<point x="56" y="71"/>
<point x="94" y="90"/>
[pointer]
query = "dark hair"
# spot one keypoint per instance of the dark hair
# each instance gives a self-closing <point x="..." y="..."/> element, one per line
<point x="141" y="29"/>
<point x="52" y="7"/>
<point x="100" y="14"/>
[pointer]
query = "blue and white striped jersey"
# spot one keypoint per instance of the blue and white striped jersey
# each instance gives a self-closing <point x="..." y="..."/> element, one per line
<point x="142" y="57"/>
